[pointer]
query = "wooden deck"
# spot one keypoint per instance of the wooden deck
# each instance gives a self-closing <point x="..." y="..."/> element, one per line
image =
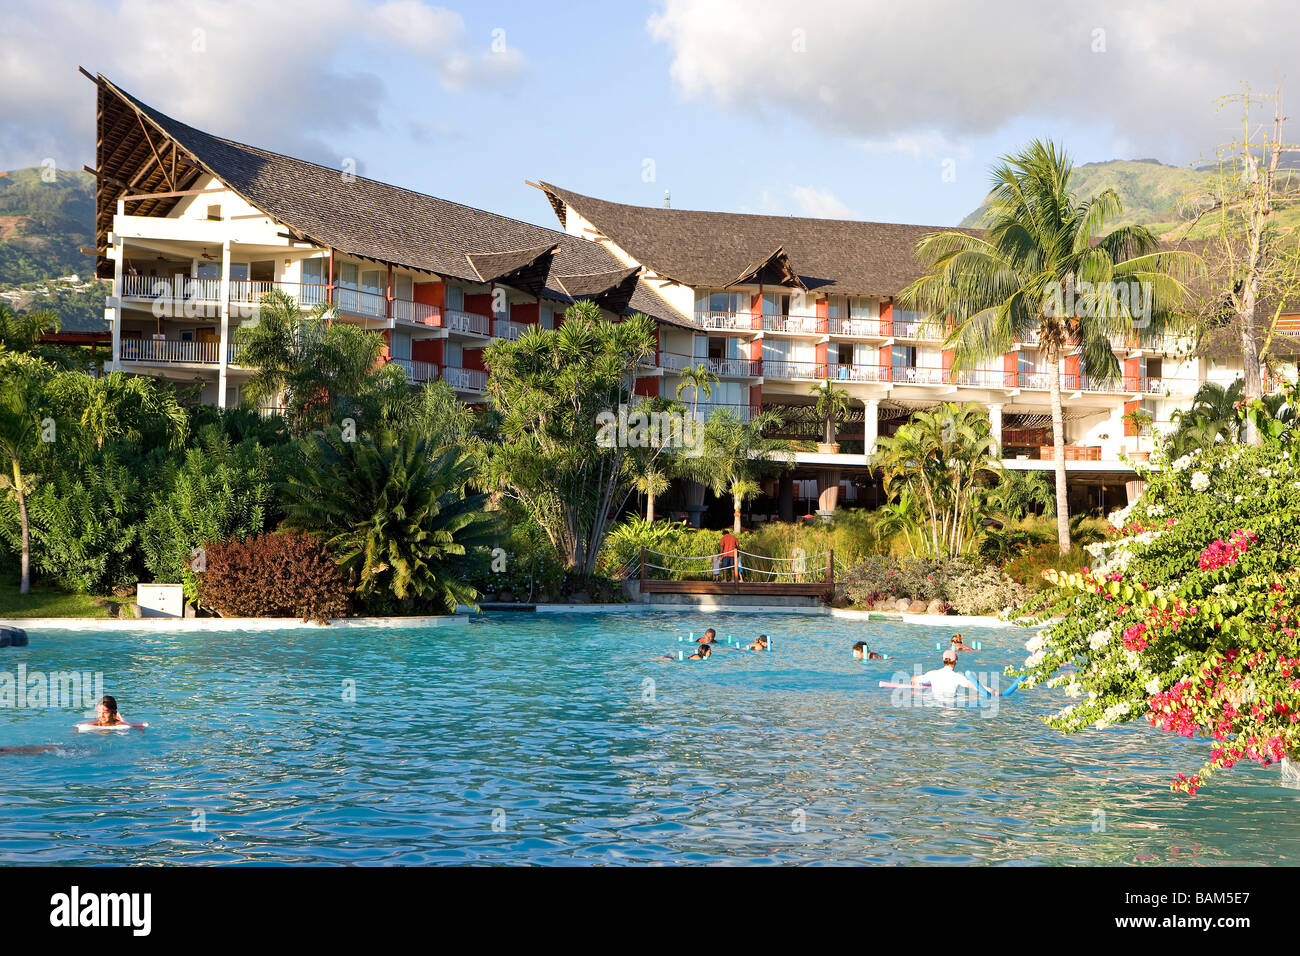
<point x="825" y="587"/>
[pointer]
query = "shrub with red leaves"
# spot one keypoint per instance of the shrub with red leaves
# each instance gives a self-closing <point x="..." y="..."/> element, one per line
<point x="273" y="575"/>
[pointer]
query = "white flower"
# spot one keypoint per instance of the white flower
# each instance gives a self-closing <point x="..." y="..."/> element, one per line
<point x="1200" y="481"/>
<point x="1034" y="659"/>
<point x="1035" y="643"/>
<point x="1153" y="685"/>
<point x="1073" y="689"/>
<point x="1099" y="639"/>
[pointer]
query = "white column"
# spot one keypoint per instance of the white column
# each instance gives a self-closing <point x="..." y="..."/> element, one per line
<point x="871" y="425"/>
<point x="225" y="324"/>
<point x="995" y="425"/>
<point x="114" y="312"/>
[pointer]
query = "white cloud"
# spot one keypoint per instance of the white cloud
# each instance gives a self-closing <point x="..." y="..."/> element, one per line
<point x="888" y="72"/>
<point x="266" y="73"/>
<point x="820" y="203"/>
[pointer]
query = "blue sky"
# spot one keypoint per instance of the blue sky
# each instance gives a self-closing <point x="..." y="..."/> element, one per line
<point x="848" y="108"/>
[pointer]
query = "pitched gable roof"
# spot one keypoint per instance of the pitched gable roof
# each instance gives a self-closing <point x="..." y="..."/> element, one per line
<point x="713" y="249"/>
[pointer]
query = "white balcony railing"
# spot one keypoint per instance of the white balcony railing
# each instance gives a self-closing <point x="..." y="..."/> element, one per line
<point x="793" y="324"/>
<point x="776" y="368"/>
<point x="844" y="372"/>
<point x="465" y="379"/>
<point x="416" y="313"/>
<point x="457" y="320"/>
<point x="417" y="372"/>
<point x="867" y="328"/>
<point x="503" y="329"/>
<point x="727" y="321"/>
<point x="174" y="351"/>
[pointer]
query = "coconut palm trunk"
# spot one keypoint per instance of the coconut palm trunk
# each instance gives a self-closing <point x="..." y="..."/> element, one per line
<point x="1058" y="458"/>
<point x="26" y="561"/>
<point x="650" y="506"/>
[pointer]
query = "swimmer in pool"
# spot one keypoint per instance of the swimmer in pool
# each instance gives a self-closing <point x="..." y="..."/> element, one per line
<point x="106" y="715"/>
<point x="862" y="652"/>
<point x="710" y="637"/>
<point x="701" y="654"/>
<point x="945" y="680"/>
<point x="759" y="645"/>
<point x="959" y="644"/>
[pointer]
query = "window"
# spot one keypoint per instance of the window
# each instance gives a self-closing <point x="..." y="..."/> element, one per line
<point x="452" y="355"/>
<point x="214" y="212"/>
<point x="546" y="317"/>
<point x="775" y="303"/>
<point x="904" y="356"/>
<point x="455" y="297"/>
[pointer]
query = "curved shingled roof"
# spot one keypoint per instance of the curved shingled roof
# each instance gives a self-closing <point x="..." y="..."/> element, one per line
<point x="711" y="249"/>
<point x="366" y="218"/>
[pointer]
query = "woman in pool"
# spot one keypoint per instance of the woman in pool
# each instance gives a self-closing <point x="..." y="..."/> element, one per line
<point x="958" y="643"/>
<point x="106" y="715"/>
<point x="759" y="645"/>
<point x="862" y="652"/>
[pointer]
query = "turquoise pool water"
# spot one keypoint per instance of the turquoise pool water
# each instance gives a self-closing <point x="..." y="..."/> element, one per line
<point x="537" y="739"/>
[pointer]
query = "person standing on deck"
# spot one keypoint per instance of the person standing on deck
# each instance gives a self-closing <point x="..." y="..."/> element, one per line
<point x="731" y="555"/>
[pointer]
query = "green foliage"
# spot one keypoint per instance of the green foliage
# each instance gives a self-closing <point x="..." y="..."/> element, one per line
<point x="1021" y="493"/>
<point x="395" y="516"/>
<point x="1046" y="266"/>
<point x="85" y="525"/>
<point x="289" y="574"/>
<point x="217" y="491"/>
<point x="1188" y="615"/>
<point x="551" y="389"/>
<point x="832" y="406"/>
<point x="322" y="371"/>
<point x="933" y="464"/>
<point x="957" y="583"/>
<point x="54" y="221"/>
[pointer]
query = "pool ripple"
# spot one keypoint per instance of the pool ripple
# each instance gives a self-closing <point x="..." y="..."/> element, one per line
<point x="521" y="739"/>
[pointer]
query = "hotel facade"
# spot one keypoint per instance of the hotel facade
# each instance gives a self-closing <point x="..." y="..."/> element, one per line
<point x="194" y="229"/>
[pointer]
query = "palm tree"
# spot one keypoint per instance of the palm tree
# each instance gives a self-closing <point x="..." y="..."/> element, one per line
<point x="1021" y="493"/>
<point x="651" y="482"/>
<point x="22" y="331"/>
<point x="936" y="458"/>
<point x="832" y="406"/>
<point x="700" y="379"/>
<point x="118" y="405"/>
<point x="25" y="416"/>
<point x="1045" y="266"/>
<point x="733" y="453"/>
<point x="396" y="518"/>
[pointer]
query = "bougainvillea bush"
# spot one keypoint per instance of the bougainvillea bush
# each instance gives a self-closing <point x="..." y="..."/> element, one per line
<point x="1188" y="617"/>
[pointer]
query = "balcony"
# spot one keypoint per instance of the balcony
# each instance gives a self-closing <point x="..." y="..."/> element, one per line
<point x="779" y="369"/>
<point x="470" y="323"/>
<point x="504" y="329"/>
<point x="840" y="372"/>
<point x="865" y="328"/>
<point x="721" y="367"/>
<point x="417" y="372"/>
<point x="725" y="321"/>
<point x="155" y="351"/>
<point x="916" y="375"/>
<point x="417" y="313"/>
<point x="794" y="324"/>
<point x="465" y="379"/>
<point x="979" y="378"/>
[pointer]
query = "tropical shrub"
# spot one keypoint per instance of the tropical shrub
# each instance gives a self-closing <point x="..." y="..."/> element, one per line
<point x="1189" y="616"/>
<point x="983" y="590"/>
<point x="85" y="525"/>
<point x="289" y="574"/>
<point x="395" y="515"/>
<point x="218" y="491"/>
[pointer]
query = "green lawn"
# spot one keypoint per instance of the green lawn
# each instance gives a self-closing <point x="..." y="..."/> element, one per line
<point x="48" y="602"/>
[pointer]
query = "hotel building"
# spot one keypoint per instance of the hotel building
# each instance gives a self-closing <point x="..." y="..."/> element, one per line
<point x="193" y="229"/>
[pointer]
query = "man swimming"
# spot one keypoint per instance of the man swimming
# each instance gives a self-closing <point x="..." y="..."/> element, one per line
<point x="710" y="637"/>
<point x="862" y="652"/>
<point x="945" y="680"/>
<point x="760" y="644"/>
<point x="702" y="653"/>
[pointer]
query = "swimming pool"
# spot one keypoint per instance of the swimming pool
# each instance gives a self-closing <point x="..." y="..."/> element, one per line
<point x="556" y="739"/>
